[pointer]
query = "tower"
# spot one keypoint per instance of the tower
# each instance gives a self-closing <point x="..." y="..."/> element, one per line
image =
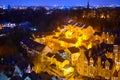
<point x="88" y="5"/>
<point x="9" y="7"/>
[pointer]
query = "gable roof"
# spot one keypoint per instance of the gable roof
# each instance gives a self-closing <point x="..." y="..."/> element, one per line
<point x="56" y="56"/>
<point x="68" y="40"/>
<point x="27" y="78"/>
<point x="33" y="45"/>
<point x="59" y="58"/>
<point x="61" y="51"/>
<point x="50" y="54"/>
<point x="73" y="49"/>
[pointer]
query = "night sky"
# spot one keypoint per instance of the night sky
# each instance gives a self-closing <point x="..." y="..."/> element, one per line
<point x="59" y="2"/>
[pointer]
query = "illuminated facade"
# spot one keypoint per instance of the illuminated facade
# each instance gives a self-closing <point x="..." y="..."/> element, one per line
<point x="76" y="50"/>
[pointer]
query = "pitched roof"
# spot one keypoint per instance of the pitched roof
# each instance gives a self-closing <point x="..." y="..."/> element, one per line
<point x="73" y="49"/>
<point x="59" y="58"/>
<point x="49" y="54"/>
<point x="40" y="47"/>
<point x="33" y="45"/>
<point x="68" y="40"/>
<point x="56" y="56"/>
<point x="61" y="51"/>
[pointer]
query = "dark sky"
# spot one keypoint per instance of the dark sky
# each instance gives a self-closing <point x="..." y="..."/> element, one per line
<point x="59" y="2"/>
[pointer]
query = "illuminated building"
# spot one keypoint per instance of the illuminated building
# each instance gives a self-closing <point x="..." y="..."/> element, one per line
<point x="82" y="63"/>
<point x="77" y="50"/>
<point x="108" y="71"/>
<point x="34" y="48"/>
<point x="74" y="55"/>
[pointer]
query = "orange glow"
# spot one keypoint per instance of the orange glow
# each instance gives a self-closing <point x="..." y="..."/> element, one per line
<point x="58" y="28"/>
<point x="57" y="34"/>
<point x="79" y="42"/>
<point x="68" y="70"/>
<point x="78" y="37"/>
<point x="84" y="37"/>
<point x="89" y="46"/>
<point x="68" y="34"/>
<point x="62" y="43"/>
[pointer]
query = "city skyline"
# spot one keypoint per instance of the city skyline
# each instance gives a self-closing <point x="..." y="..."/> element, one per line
<point x="59" y="2"/>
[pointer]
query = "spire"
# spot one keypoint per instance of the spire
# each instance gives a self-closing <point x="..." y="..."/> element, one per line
<point x="88" y="5"/>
